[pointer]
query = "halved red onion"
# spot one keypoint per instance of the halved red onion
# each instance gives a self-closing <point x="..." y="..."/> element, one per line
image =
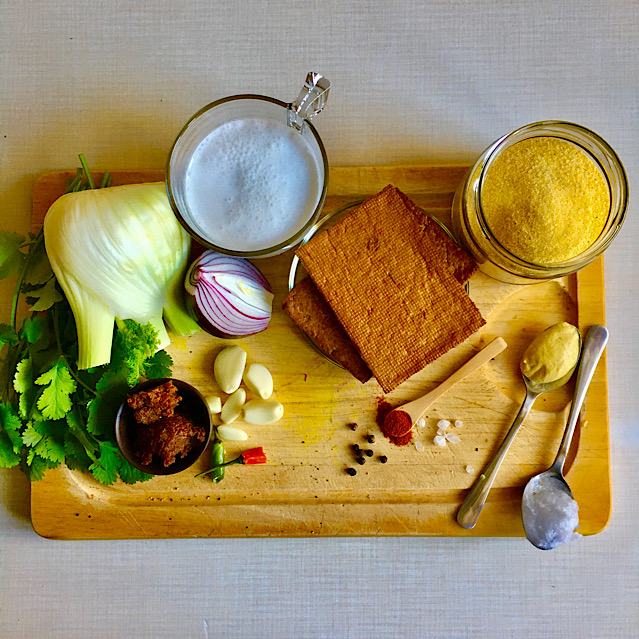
<point x="228" y="296"/>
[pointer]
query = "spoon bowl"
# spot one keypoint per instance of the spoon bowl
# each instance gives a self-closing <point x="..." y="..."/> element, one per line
<point x="549" y="512"/>
<point x="471" y="508"/>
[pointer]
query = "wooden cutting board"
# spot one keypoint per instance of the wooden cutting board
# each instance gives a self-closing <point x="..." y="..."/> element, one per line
<point x="304" y="489"/>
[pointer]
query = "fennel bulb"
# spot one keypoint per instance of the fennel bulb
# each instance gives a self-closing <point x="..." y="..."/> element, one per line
<point x="118" y="252"/>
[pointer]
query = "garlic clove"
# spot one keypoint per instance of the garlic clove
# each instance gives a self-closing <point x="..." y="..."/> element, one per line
<point x="215" y="404"/>
<point x="228" y="368"/>
<point x="232" y="408"/>
<point x="231" y="434"/>
<point x="261" y="411"/>
<point x="259" y="380"/>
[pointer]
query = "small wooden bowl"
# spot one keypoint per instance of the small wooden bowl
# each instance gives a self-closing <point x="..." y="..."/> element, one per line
<point x="193" y="406"/>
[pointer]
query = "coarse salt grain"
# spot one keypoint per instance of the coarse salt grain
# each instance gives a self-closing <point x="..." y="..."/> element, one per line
<point x="419" y="446"/>
<point x="470" y="470"/>
<point x="453" y="439"/>
<point x="441" y="431"/>
<point x="458" y="423"/>
<point x="443" y="423"/>
<point x="440" y="441"/>
<point x="420" y="423"/>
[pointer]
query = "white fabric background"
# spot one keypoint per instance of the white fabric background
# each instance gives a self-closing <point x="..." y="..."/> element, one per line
<point x="412" y="82"/>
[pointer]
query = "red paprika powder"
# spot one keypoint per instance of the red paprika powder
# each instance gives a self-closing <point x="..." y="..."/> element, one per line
<point x="403" y="440"/>
<point x="396" y="425"/>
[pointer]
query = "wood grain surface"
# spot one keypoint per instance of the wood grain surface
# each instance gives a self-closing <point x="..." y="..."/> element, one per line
<point x="304" y="489"/>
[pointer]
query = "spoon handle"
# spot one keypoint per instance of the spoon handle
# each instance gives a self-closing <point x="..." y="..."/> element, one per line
<point x="418" y="407"/>
<point x="594" y="344"/>
<point x="469" y="511"/>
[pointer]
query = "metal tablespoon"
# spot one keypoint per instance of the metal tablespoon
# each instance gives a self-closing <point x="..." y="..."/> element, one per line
<point x="469" y="511"/>
<point x="547" y="489"/>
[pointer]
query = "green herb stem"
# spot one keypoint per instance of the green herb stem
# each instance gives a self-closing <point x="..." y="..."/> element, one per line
<point x="106" y="180"/>
<point x="85" y="168"/>
<point x="74" y="185"/>
<point x="39" y="238"/>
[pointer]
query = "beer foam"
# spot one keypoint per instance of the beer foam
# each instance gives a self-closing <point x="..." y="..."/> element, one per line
<point x="251" y="184"/>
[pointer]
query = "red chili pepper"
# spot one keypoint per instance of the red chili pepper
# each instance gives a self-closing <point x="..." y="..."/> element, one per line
<point x="254" y="456"/>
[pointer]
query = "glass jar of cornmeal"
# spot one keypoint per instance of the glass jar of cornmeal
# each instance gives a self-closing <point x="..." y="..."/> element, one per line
<point x="541" y="202"/>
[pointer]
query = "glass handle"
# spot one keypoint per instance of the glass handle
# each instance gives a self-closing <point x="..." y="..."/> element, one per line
<point x="309" y="102"/>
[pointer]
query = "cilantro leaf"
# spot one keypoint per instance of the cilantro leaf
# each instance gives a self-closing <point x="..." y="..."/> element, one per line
<point x="33" y="329"/>
<point x="111" y="389"/>
<point x="54" y="402"/>
<point x="130" y="475"/>
<point x="37" y="466"/>
<point x="11" y="425"/>
<point x="7" y="335"/>
<point x="158" y="365"/>
<point x="76" y="454"/>
<point x="23" y="385"/>
<point x="49" y="448"/>
<point x="23" y="378"/>
<point x="105" y="470"/>
<point x="77" y="463"/>
<point x="45" y="297"/>
<point x="32" y="436"/>
<point x="11" y="257"/>
<point x="8" y="457"/>
<point x="38" y="270"/>
<point x="74" y="421"/>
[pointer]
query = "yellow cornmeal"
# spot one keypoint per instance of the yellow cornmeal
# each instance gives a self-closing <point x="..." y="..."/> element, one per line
<point x="552" y="354"/>
<point x="545" y="200"/>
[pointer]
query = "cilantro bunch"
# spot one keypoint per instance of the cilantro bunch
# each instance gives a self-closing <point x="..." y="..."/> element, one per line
<point x="51" y="412"/>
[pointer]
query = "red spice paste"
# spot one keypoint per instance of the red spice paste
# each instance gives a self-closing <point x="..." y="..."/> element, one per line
<point x="161" y="431"/>
<point x="151" y="406"/>
<point x="396" y="426"/>
<point x="169" y="438"/>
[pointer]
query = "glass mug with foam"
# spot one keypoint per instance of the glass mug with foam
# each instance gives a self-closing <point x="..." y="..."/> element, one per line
<point x="247" y="175"/>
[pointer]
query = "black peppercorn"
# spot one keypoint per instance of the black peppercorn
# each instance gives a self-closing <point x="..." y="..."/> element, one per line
<point x="351" y="471"/>
<point x="368" y="453"/>
<point x="370" y="439"/>
<point x="360" y="460"/>
<point x="353" y="426"/>
<point x="356" y="449"/>
<point x="383" y="459"/>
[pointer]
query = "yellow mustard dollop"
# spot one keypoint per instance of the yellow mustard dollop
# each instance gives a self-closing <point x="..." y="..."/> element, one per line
<point x="552" y="354"/>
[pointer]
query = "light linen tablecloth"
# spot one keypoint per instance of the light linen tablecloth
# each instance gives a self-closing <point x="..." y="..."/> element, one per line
<point x="412" y="82"/>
